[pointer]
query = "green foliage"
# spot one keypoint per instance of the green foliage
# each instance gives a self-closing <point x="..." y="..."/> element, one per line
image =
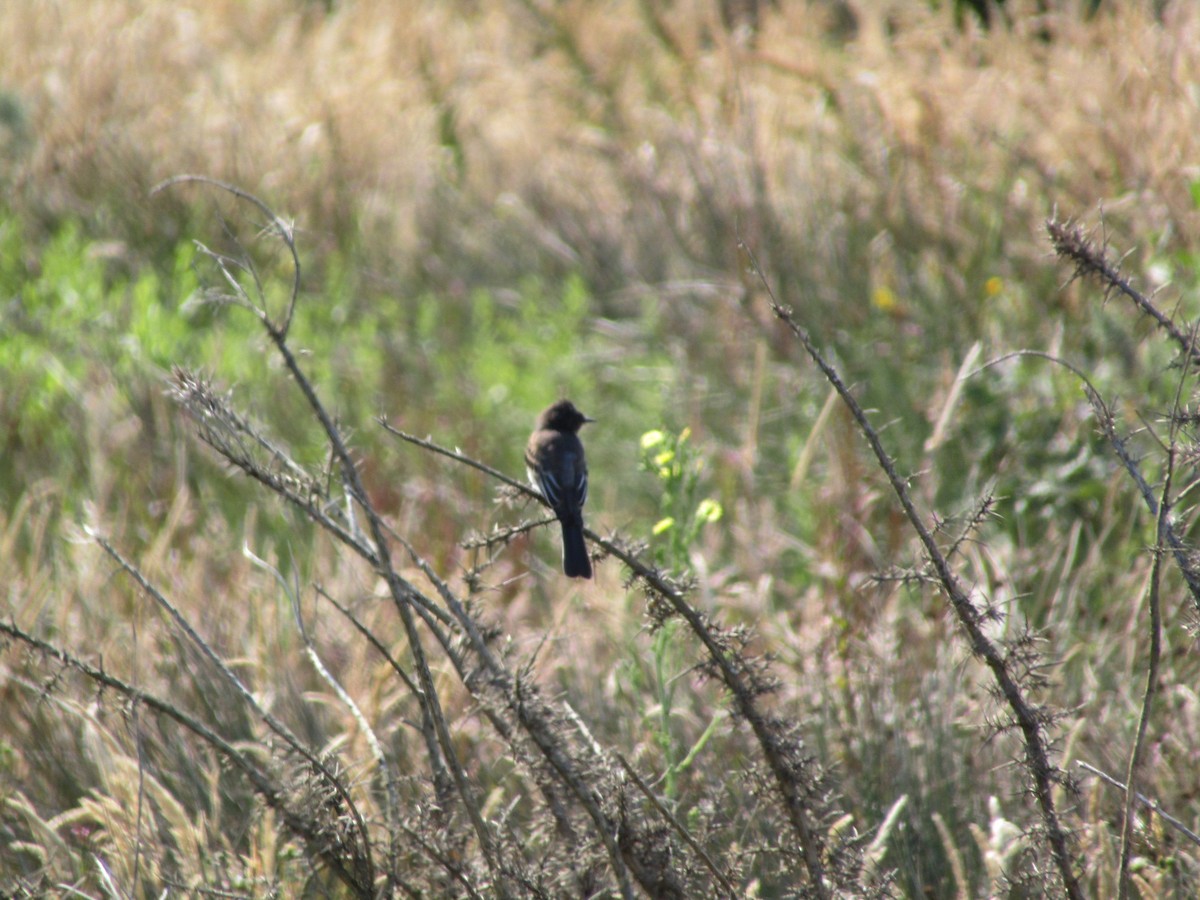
<point x="683" y="513"/>
<point x="491" y="351"/>
<point x="72" y="325"/>
<point x="1178" y="265"/>
<point x="75" y="322"/>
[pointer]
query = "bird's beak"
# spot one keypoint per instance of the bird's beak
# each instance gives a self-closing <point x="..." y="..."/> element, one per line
<point x="588" y="419"/>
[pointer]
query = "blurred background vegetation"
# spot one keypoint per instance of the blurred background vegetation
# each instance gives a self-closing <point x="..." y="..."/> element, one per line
<point x="501" y="202"/>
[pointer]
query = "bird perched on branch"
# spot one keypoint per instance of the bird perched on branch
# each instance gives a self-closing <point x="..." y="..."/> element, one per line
<point x="557" y="469"/>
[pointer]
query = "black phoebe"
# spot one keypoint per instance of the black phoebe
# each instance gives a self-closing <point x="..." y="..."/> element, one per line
<point x="558" y="471"/>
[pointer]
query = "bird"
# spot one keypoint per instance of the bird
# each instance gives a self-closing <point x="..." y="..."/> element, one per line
<point x="557" y="469"/>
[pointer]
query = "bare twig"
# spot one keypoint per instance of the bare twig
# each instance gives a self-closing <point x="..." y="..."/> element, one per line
<point x="658" y="805"/>
<point x="299" y="823"/>
<point x="778" y="749"/>
<point x="1031" y="719"/>
<point x="1107" y="422"/>
<point x="1071" y="243"/>
<point x="1155" y="625"/>
<point x="284" y="229"/>
<point x="248" y="697"/>
<point x="386" y="769"/>
<point x="1153" y="805"/>
<point x="401" y="592"/>
<point x="1148" y="694"/>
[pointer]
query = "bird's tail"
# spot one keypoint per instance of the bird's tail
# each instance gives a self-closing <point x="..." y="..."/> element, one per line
<point x="576" y="562"/>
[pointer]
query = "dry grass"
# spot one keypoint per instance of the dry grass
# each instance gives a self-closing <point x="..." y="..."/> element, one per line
<point x="468" y="142"/>
<point x="881" y="174"/>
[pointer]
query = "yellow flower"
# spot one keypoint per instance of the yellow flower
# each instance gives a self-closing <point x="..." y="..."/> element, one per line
<point x="883" y="299"/>
<point x="709" y="510"/>
<point x="652" y="439"/>
<point x="993" y="286"/>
